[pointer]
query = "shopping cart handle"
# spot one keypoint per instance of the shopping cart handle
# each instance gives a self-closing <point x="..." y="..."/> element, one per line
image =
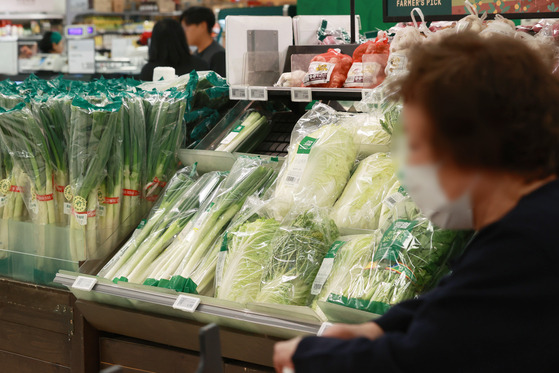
<point x="210" y="350"/>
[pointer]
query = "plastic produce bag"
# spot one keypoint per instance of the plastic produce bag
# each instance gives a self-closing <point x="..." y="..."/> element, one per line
<point x="317" y="168"/>
<point x="328" y="70"/>
<point x="176" y="202"/>
<point x="164" y="118"/>
<point x="367" y="128"/>
<point x="344" y="263"/>
<point x="245" y="253"/>
<point x="360" y="204"/>
<point x="409" y="259"/>
<point x="396" y="205"/>
<point x="27" y="146"/>
<point x="93" y="132"/>
<point x="298" y="249"/>
<point x="249" y="176"/>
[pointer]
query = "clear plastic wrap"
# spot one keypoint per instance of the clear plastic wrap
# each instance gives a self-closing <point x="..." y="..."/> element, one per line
<point x="298" y="249"/>
<point x="344" y="263"/>
<point x="164" y="118"/>
<point x="53" y="114"/>
<point x="409" y="259"/>
<point x="248" y="176"/>
<point x="396" y="205"/>
<point x="360" y="204"/>
<point x="328" y="70"/>
<point x="134" y="161"/>
<point x="28" y="147"/>
<point x="245" y="252"/>
<point x="92" y="134"/>
<point x="367" y="128"/>
<point x="178" y="192"/>
<point x="318" y="165"/>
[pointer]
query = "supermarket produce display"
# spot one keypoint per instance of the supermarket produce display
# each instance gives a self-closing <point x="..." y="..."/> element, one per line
<point x="83" y="162"/>
<point x="133" y="176"/>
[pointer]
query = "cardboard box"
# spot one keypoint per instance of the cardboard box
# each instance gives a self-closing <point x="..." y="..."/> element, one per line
<point x="104" y="6"/>
<point x="166" y="6"/>
<point x="118" y="6"/>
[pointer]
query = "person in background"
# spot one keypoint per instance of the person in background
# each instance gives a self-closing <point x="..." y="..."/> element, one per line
<point x="168" y="47"/>
<point x="482" y="131"/>
<point x="198" y="23"/>
<point x="51" y="43"/>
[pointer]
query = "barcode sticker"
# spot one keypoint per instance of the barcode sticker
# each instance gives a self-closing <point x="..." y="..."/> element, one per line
<point x="322" y="275"/>
<point x="84" y="283"/>
<point x="3" y="201"/>
<point x="301" y="94"/>
<point x="238" y="93"/>
<point x="81" y="219"/>
<point x="296" y="170"/>
<point x="393" y="199"/>
<point x="323" y="327"/>
<point x="258" y="93"/>
<point x="67" y="208"/>
<point x="221" y="256"/>
<point x="186" y="303"/>
<point x="101" y="210"/>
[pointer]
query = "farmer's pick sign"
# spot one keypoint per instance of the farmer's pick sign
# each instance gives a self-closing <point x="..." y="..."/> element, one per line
<point x="399" y="10"/>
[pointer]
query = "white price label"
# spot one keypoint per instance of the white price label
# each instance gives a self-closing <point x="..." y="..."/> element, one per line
<point x="84" y="283"/>
<point x="230" y="137"/>
<point x="81" y="219"/>
<point x="301" y="94"/>
<point x="3" y="201"/>
<point x="67" y="208"/>
<point x="258" y="93"/>
<point x="322" y="275"/>
<point x="101" y="210"/>
<point x="296" y="171"/>
<point x="393" y="199"/>
<point x="186" y="303"/>
<point x="323" y="327"/>
<point x="238" y="93"/>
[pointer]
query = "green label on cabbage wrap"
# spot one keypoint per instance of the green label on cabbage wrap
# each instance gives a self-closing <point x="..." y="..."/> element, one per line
<point x="397" y="237"/>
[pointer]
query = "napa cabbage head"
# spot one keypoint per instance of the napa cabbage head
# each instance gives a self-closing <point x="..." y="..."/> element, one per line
<point x="360" y="204"/>
<point x="316" y="171"/>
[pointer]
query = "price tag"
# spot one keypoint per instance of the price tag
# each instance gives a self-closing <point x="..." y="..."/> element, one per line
<point x="301" y="94"/>
<point x="81" y="219"/>
<point x="258" y="93"/>
<point x="366" y="93"/>
<point x="186" y="303"/>
<point x="84" y="283"/>
<point x="238" y="93"/>
<point x="323" y="327"/>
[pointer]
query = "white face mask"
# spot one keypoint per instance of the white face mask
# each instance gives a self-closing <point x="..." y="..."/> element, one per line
<point x="423" y="185"/>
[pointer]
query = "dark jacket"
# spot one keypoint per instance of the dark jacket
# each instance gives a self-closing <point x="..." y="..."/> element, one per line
<point x="497" y="312"/>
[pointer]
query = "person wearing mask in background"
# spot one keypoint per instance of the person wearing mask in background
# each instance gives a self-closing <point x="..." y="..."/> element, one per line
<point x="51" y="43"/>
<point x="198" y="23"/>
<point x="482" y="132"/>
<point x="168" y="47"/>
